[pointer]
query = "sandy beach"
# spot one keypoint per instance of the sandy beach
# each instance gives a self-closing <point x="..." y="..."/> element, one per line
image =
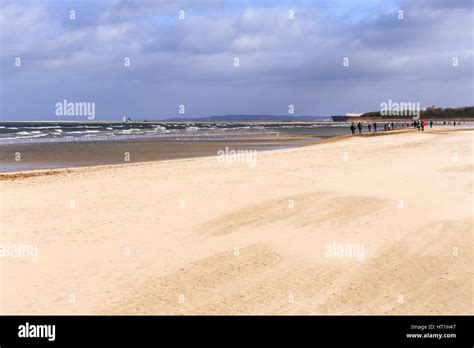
<point x="359" y="225"/>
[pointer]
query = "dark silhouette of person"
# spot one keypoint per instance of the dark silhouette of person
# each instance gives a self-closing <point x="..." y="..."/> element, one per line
<point x="431" y="124"/>
<point x="353" y="128"/>
<point x="375" y="126"/>
<point x="370" y="127"/>
<point x="359" y="125"/>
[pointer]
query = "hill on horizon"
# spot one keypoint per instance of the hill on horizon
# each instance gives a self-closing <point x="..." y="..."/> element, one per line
<point x="236" y="118"/>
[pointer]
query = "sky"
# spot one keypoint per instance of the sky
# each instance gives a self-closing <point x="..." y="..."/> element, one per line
<point x="327" y="57"/>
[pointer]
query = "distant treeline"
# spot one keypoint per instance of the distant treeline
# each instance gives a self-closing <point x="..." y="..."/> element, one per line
<point x="466" y="112"/>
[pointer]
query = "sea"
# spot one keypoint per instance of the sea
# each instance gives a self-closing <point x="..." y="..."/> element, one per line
<point x="28" y="132"/>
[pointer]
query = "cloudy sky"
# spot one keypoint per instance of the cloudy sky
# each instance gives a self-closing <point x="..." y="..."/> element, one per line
<point x="184" y="53"/>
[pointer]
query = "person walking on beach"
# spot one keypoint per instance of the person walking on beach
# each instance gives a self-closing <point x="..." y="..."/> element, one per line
<point x="423" y="124"/>
<point x="431" y="124"/>
<point x="359" y="125"/>
<point x="418" y="125"/>
<point x="454" y="123"/>
<point x="353" y="128"/>
<point x="375" y="127"/>
<point x="369" y="126"/>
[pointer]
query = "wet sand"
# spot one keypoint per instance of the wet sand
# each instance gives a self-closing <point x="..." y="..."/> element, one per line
<point x="44" y="155"/>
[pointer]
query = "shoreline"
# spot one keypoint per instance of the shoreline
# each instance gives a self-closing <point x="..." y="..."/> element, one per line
<point x="53" y="156"/>
<point x="16" y="175"/>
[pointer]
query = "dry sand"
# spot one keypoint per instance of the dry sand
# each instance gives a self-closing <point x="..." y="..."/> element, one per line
<point x="194" y="236"/>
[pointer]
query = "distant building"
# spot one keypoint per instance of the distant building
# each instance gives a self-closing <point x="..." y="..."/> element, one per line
<point x="348" y="117"/>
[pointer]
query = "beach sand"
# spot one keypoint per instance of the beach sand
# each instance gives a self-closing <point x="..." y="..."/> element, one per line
<point x="194" y="236"/>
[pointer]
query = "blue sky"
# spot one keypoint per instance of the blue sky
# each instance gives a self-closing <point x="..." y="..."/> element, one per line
<point x="190" y="61"/>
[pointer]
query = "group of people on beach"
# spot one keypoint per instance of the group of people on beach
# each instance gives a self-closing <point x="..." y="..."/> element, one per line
<point x="359" y="126"/>
<point x="418" y="124"/>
